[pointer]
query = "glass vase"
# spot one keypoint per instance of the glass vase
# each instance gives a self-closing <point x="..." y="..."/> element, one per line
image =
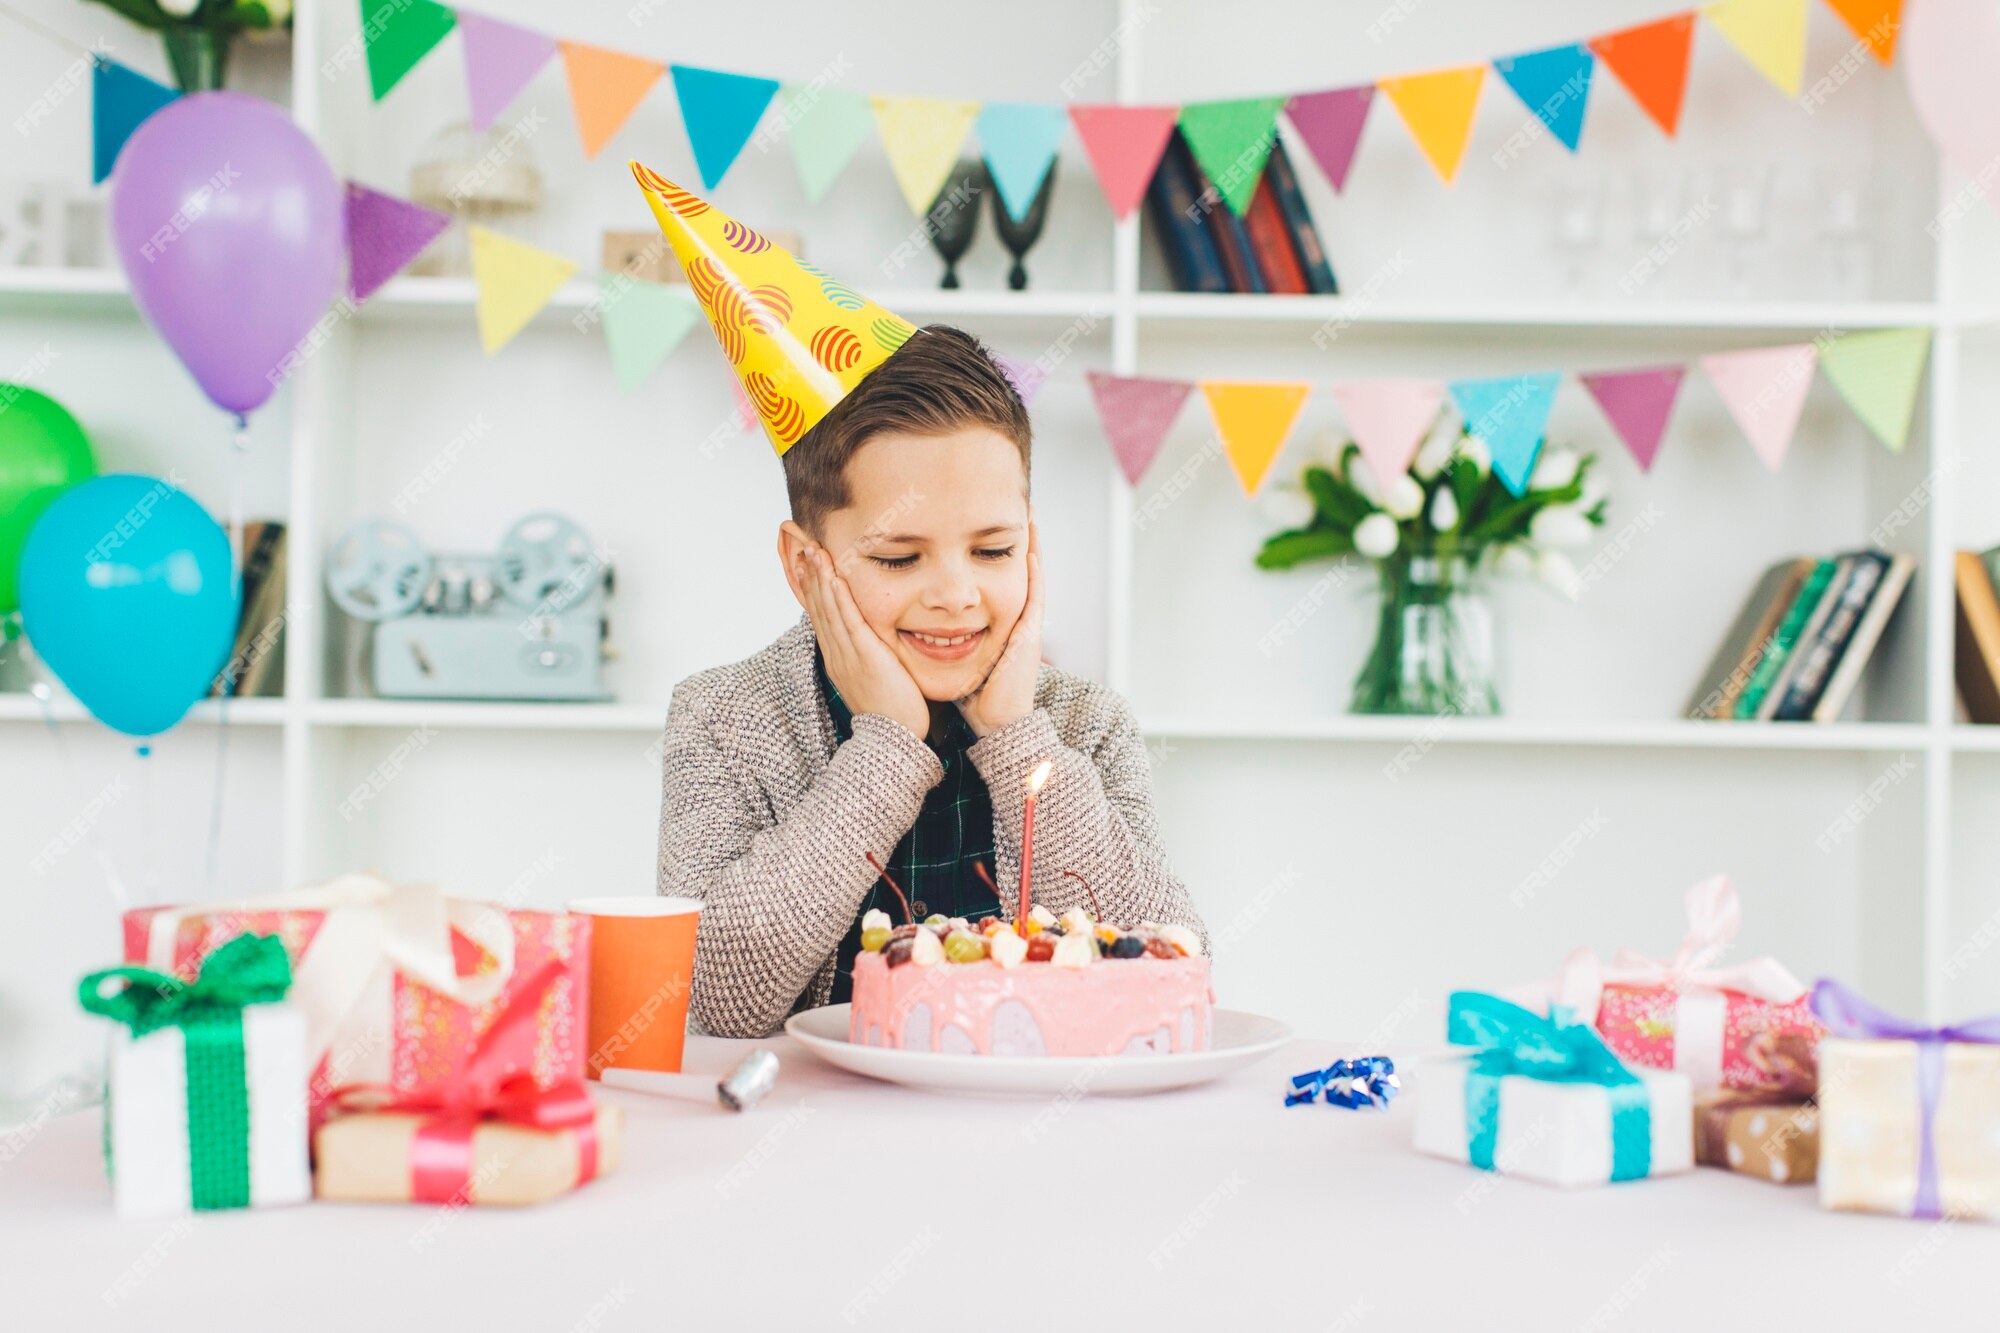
<point x="1433" y="651"/>
<point x="199" y="57"/>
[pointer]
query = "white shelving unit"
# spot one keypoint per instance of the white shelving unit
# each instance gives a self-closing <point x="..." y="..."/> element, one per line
<point x="1410" y="839"/>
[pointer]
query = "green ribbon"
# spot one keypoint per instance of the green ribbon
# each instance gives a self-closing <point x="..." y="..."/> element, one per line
<point x="1551" y="1049"/>
<point x="250" y="969"/>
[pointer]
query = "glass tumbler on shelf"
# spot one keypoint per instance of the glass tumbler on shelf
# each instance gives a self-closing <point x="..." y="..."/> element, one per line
<point x="1663" y="212"/>
<point x="1846" y="233"/>
<point x="1433" y="650"/>
<point x="1578" y="227"/>
<point x="1746" y="218"/>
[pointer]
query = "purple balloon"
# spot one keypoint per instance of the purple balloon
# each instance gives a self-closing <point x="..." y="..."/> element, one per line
<point x="228" y="222"/>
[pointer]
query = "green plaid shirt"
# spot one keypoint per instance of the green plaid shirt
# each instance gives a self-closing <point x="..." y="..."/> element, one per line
<point x="934" y="860"/>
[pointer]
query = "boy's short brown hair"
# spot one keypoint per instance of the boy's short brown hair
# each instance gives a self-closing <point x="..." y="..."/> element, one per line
<point x="942" y="380"/>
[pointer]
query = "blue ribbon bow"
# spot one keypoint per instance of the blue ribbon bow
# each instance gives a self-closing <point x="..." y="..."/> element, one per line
<point x="1550" y="1049"/>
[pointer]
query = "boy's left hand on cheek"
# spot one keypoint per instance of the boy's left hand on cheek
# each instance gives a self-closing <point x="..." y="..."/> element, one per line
<point x="1008" y="692"/>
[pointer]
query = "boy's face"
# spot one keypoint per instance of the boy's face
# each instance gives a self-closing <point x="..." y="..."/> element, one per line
<point x="934" y="542"/>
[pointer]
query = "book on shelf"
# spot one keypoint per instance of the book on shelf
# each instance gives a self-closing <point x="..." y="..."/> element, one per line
<point x="1976" y="645"/>
<point x="1772" y="663"/>
<point x="1282" y="182"/>
<point x="1743" y="647"/>
<point x="1173" y="202"/>
<point x="1271" y="244"/>
<point x="257" y="655"/>
<point x="1801" y="644"/>
<point x="1874" y="619"/>
<point x="1275" y="248"/>
<point x="1798" y="647"/>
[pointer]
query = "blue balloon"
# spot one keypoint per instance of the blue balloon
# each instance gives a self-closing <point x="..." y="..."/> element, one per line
<point x="126" y="594"/>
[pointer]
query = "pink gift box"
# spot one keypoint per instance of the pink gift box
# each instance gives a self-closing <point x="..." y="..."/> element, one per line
<point x="1745" y="1025"/>
<point x="1753" y="1043"/>
<point x="398" y="984"/>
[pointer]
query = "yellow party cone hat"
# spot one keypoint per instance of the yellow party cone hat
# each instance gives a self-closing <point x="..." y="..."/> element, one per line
<point x="799" y="340"/>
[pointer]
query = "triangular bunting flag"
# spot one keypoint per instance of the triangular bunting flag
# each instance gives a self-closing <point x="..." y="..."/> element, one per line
<point x="721" y="111"/>
<point x="500" y="59"/>
<point x="1509" y="412"/>
<point x="1771" y="35"/>
<point x="398" y="35"/>
<point x="1330" y="122"/>
<point x="1878" y="372"/>
<point x="1027" y="377"/>
<point x="605" y="87"/>
<point x="1020" y="140"/>
<point x="384" y="234"/>
<point x="1136" y="413"/>
<point x="120" y="100"/>
<point x="1231" y="142"/>
<point x="830" y="124"/>
<point x="643" y="323"/>
<point x="1764" y="388"/>
<point x="1253" y="420"/>
<point x="1554" y="85"/>
<point x="922" y="136"/>
<point x="1875" y="22"/>
<point x="515" y="281"/>
<point x="1651" y="60"/>
<point x="1388" y="420"/>
<point x="1637" y="403"/>
<point x="1438" y="109"/>
<point x="1124" y="144"/>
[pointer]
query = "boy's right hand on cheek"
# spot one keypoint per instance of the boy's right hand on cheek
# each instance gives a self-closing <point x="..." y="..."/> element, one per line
<point x="865" y="669"/>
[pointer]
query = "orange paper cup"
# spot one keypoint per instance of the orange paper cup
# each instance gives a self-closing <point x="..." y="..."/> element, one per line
<point x="641" y="967"/>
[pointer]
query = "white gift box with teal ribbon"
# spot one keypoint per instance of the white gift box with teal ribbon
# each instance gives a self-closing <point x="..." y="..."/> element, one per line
<point x="208" y="1079"/>
<point x="1544" y="1099"/>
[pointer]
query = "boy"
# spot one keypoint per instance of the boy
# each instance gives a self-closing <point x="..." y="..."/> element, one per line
<point x="903" y="713"/>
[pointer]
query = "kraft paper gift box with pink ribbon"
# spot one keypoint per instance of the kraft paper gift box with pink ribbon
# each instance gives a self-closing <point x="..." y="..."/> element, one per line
<point x="1722" y="1026"/>
<point x="490" y="1135"/>
<point x="1909" y="1114"/>
<point x="398" y="983"/>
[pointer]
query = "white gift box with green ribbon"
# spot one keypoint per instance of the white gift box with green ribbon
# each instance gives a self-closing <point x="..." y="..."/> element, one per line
<point x="208" y="1081"/>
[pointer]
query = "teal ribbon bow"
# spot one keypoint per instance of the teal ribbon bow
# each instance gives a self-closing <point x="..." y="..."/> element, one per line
<point x="250" y="969"/>
<point x="1551" y="1048"/>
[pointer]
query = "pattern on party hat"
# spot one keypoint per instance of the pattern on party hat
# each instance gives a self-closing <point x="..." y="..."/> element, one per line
<point x="799" y="340"/>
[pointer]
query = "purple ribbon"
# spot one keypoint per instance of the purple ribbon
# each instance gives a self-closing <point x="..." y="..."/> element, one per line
<point x="1846" y="1014"/>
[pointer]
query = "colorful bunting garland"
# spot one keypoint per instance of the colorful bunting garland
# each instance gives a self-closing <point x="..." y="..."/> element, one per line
<point x="1877" y="372"/>
<point x="1230" y="138"/>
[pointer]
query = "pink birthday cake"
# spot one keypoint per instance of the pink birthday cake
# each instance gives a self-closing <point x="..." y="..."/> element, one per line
<point x="1068" y="987"/>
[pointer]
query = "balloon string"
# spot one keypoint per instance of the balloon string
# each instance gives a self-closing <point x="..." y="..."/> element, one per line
<point x="113" y="880"/>
<point x="239" y="451"/>
<point x="149" y="854"/>
<point x="50" y="35"/>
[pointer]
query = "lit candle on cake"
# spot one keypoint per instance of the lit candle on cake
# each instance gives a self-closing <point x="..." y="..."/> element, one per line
<point x="1035" y="781"/>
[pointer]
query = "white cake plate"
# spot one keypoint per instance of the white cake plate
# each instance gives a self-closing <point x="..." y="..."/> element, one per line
<point x="1239" y="1039"/>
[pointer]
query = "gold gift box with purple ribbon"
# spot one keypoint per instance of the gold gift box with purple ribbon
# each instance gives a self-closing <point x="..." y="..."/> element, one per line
<point x="1909" y="1114"/>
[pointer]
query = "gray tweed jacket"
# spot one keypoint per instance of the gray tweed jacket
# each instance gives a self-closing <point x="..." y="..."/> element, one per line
<point x="766" y="822"/>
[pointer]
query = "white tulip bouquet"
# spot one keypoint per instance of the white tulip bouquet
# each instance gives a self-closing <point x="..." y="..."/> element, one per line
<point x="1431" y="533"/>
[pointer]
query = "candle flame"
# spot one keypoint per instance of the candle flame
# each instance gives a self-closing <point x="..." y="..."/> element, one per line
<point x="1039" y="776"/>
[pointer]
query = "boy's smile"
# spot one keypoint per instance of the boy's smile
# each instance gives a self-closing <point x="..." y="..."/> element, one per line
<point x="933" y="543"/>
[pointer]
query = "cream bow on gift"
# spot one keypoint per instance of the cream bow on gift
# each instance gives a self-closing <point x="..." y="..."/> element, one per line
<point x="1714" y="914"/>
<point x="370" y="931"/>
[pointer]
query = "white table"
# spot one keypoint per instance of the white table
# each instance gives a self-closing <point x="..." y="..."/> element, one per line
<point x="839" y="1202"/>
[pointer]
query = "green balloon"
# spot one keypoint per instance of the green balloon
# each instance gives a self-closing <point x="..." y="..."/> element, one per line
<point x="43" y="452"/>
